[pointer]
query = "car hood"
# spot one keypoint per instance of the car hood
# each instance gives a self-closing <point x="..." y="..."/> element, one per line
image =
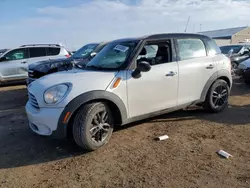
<point x="82" y="81"/>
<point x="49" y="62"/>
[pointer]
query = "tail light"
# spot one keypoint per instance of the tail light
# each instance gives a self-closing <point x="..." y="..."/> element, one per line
<point x="67" y="55"/>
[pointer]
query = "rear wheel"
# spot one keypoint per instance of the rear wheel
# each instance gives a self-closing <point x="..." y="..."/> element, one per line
<point x="93" y="126"/>
<point x="217" y="96"/>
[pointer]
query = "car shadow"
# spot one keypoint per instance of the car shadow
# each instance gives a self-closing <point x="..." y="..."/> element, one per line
<point x="21" y="147"/>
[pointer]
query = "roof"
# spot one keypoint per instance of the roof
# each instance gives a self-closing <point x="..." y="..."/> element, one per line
<point x="36" y="45"/>
<point x="223" y="33"/>
<point x="162" y="36"/>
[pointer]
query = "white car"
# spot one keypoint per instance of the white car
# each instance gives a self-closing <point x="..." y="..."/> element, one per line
<point x="129" y="80"/>
<point x="14" y="63"/>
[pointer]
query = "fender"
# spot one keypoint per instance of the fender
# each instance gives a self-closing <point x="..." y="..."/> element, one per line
<point x="73" y="105"/>
<point x="211" y="80"/>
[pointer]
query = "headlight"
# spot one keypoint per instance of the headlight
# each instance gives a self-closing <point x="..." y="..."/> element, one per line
<point x="242" y="66"/>
<point x="55" y="93"/>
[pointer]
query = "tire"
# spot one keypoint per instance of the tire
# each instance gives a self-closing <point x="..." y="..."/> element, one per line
<point x="220" y="91"/>
<point x="88" y="121"/>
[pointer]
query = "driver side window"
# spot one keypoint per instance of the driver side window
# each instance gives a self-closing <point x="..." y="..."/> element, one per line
<point x="156" y="53"/>
<point x="16" y="54"/>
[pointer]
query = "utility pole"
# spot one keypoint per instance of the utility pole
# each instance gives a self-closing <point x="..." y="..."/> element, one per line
<point x="200" y="27"/>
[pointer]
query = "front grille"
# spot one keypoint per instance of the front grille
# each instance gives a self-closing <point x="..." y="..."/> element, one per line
<point x="33" y="101"/>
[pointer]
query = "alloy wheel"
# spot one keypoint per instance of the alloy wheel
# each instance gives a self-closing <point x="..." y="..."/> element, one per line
<point x="220" y="96"/>
<point x="100" y="127"/>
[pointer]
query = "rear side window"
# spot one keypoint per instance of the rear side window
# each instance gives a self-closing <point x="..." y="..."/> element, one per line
<point x="37" y="52"/>
<point x="191" y="48"/>
<point x="213" y="48"/>
<point x="53" y="51"/>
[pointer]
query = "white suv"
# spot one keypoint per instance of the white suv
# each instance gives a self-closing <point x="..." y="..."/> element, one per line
<point x="14" y="63"/>
<point x="129" y="80"/>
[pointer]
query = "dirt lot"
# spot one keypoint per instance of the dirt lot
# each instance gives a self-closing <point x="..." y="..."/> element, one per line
<point x="132" y="158"/>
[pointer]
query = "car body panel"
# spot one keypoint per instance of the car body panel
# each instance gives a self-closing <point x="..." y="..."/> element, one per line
<point x="152" y="89"/>
<point x="189" y="71"/>
<point x="86" y="81"/>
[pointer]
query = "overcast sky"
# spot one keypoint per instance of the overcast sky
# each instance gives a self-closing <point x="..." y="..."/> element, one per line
<point x="77" y="22"/>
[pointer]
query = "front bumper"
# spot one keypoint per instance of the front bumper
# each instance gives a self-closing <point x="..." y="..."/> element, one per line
<point x="43" y="121"/>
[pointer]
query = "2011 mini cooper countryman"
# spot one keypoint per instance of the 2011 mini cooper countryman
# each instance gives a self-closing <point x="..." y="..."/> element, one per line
<point x="129" y="80"/>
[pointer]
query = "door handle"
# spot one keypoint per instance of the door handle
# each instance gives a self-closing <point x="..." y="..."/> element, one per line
<point x="211" y="66"/>
<point x="23" y="62"/>
<point x="171" y="73"/>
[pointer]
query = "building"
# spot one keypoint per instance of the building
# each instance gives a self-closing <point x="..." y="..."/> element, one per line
<point x="229" y="36"/>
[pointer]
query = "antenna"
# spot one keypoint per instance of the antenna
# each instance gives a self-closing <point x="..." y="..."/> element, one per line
<point x="187" y="24"/>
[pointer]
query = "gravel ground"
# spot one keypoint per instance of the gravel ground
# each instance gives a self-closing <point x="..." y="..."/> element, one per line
<point x="132" y="158"/>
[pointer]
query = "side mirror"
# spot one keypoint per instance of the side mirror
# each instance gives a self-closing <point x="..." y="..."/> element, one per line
<point x="93" y="54"/>
<point x="142" y="66"/>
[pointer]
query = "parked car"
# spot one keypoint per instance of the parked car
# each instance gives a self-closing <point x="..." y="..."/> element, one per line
<point x="244" y="70"/>
<point x="240" y="52"/>
<point x="80" y="57"/>
<point x="2" y="51"/>
<point x="14" y="63"/>
<point x="129" y="80"/>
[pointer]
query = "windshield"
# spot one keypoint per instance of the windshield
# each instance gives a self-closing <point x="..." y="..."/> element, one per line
<point x="226" y="49"/>
<point x="84" y="51"/>
<point x="113" y="55"/>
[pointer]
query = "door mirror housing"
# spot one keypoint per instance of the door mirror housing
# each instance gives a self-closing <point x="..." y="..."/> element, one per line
<point x="93" y="54"/>
<point x="142" y="66"/>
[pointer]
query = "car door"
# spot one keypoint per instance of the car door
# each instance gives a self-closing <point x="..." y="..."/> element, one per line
<point x="195" y="68"/>
<point x="157" y="89"/>
<point x="14" y="60"/>
<point x="35" y="54"/>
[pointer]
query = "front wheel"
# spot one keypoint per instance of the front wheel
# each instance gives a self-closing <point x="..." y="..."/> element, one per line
<point x="217" y="96"/>
<point x="93" y="126"/>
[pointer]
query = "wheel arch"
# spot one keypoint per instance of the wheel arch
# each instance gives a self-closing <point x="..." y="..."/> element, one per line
<point x="222" y="74"/>
<point x="114" y="102"/>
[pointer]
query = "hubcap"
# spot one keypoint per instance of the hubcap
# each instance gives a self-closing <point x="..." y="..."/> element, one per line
<point x="220" y="96"/>
<point x="100" y="128"/>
